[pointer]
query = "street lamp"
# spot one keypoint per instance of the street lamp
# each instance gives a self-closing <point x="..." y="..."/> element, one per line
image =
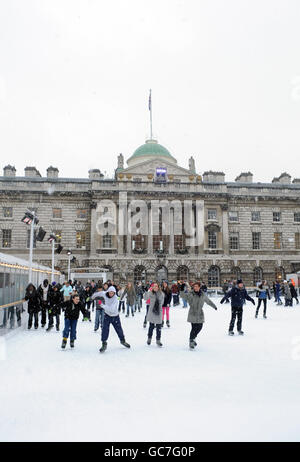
<point x="69" y="253"/>
<point x="52" y="240"/>
<point x="30" y="219"/>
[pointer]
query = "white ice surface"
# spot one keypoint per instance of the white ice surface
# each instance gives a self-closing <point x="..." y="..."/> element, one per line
<point x="227" y="389"/>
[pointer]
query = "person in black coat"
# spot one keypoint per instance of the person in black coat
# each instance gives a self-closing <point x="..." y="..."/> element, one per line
<point x="71" y="309"/>
<point x="33" y="299"/>
<point x="166" y="303"/>
<point x="54" y="310"/>
<point x="44" y="292"/>
<point x="294" y="292"/>
<point x="238" y="295"/>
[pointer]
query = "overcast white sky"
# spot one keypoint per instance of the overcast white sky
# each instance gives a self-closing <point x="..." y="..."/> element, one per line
<point x="225" y="78"/>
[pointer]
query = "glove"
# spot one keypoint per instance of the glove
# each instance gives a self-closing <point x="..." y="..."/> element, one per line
<point x="88" y="299"/>
<point x="216" y="308"/>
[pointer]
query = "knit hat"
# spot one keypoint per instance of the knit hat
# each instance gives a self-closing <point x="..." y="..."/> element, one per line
<point x="239" y="281"/>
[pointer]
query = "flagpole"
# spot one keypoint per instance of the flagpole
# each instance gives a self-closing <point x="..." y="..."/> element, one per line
<point x="150" y="108"/>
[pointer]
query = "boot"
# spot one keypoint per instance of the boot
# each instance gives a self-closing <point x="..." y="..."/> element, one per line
<point x="158" y="343"/>
<point x="49" y="328"/>
<point x="162" y="324"/>
<point x="241" y="332"/>
<point x="192" y="344"/>
<point x="72" y="343"/>
<point x="231" y="332"/>
<point x="103" y="348"/>
<point x="168" y="323"/>
<point x="145" y="324"/>
<point x="149" y="341"/>
<point x="64" y="342"/>
<point x="125" y="344"/>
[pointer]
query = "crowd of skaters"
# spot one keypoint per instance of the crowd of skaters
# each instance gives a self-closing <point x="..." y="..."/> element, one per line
<point x="109" y="300"/>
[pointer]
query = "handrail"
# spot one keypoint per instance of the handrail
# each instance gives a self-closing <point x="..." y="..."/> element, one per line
<point x="13" y="303"/>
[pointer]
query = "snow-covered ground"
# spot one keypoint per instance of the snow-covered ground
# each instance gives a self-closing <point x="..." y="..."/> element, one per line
<point x="227" y="389"/>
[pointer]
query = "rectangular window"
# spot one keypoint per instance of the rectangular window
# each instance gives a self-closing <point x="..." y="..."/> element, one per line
<point x="233" y="216"/>
<point x="7" y="212"/>
<point x="107" y="241"/>
<point x="234" y="241"/>
<point x="255" y="216"/>
<point x="80" y="239"/>
<point x="256" y="238"/>
<point x="6" y="238"/>
<point x="211" y="214"/>
<point x="297" y="217"/>
<point x="276" y="216"/>
<point x="212" y="240"/>
<point x="297" y="241"/>
<point x="179" y="241"/>
<point x="81" y="213"/>
<point x="277" y="240"/>
<point x="28" y="239"/>
<point x="56" y="213"/>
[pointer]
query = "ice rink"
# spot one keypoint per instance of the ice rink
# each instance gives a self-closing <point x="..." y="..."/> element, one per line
<point x="228" y="389"/>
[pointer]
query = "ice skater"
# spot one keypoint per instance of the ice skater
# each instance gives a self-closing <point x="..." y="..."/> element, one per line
<point x="238" y="295"/>
<point x="71" y="308"/>
<point x="196" y="299"/>
<point x="263" y="294"/>
<point x="154" y="316"/>
<point x="111" y="316"/>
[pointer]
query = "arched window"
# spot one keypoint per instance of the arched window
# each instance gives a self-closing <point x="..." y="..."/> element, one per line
<point x="182" y="273"/>
<point x="140" y="274"/>
<point x="161" y="274"/>
<point x="214" y="276"/>
<point x="257" y="275"/>
<point x="236" y="273"/>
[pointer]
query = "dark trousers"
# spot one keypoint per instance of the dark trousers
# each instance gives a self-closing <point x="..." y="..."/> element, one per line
<point x="152" y="326"/>
<point x="122" y="305"/>
<point x="195" y="330"/>
<point x="34" y="314"/>
<point x="70" y="327"/>
<point x="44" y="313"/>
<point x="259" y="303"/>
<point x="116" y="323"/>
<point x="147" y="309"/>
<point x="51" y="317"/>
<point x="236" y="312"/>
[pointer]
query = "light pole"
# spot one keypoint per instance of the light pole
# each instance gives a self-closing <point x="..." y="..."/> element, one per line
<point x="52" y="240"/>
<point x="30" y="219"/>
<point x="69" y="253"/>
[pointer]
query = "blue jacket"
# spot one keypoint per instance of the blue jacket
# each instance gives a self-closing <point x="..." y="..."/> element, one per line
<point x="238" y="297"/>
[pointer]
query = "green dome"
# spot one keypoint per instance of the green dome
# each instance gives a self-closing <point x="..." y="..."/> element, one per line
<point x="151" y="148"/>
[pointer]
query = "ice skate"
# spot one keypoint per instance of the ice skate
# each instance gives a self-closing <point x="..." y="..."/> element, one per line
<point x="125" y="344"/>
<point x="192" y="344"/>
<point x="72" y="343"/>
<point x="149" y="341"/>
<point x="158" y="343"/>
<point x="64" y="342"/>
<point x="168" y="323"/>
<point x="241" y="332"/>
<point x="231" y="332"/>
<point x="103" y="348"/>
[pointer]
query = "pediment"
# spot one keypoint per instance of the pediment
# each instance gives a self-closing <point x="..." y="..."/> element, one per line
<point x="150" y="166"/>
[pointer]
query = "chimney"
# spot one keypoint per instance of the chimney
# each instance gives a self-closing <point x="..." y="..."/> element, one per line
<point x="9" y="171"/>
<point x="95" y="174"/>
<point x="52" y="172"/>
<point x="245" y="177"/>
<point x="32" y="172"/>
<point x="284" y="178"/>
<point x="213" y="177"/>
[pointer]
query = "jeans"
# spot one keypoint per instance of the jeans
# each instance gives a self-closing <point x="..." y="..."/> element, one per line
<point x="175" y="299"/>
<point x="130" y="307"/>
<point x="151" y="329"/>
<point x="236" y="312"/>
<point x="122" y="305"/>
<point x="99" y="318"/>
<point x="70" y="326"/>
<point x="51" y="318"/>
<point x="147" y="309"/>
<point x="116" y="322"/>
<point x="184" y="303"/>
<point x="36" y="319"/>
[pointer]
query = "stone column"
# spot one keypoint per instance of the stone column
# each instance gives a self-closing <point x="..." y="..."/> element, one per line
<point x="150" y="237"/>
<point x="94" y="240"/>
<point x="200" y="220"/>
<point x="225" y="230"/>
<point x="171" y="237"/>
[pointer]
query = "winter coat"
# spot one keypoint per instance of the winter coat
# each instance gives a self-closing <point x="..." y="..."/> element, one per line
<point x="111" y="306"/>
<point x="287" y="291"/>
<point x="33" y="301"/>
<point x="293" y="291"/>
<point x="151" y="316"/>
<point x="55" y="301"/>
<point x="40" y="292"/>
<point x="264" y="292"/>
<point x="196" y="302"/>
<point x="99" y="297"/>
<point x="238" y="297"/>
<point x="71" y="310"/>
<point x="167" y="297"/>
<point x="131" y="296"/>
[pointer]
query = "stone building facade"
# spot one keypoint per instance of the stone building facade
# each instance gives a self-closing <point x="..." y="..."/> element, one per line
<point x="247" y="229"/>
